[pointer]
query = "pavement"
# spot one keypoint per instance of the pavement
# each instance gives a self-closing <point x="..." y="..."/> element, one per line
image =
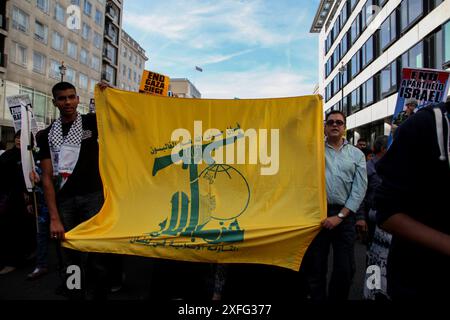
<point x="137" y="281"/>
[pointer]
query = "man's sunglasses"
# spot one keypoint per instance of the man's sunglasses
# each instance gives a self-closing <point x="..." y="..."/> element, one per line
<point x="330" y="122"/>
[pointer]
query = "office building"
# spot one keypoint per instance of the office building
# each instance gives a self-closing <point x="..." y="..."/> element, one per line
<point x="36" y="37"/>
<point x="363" y="45"/>
<point x="112" y="41"/>
<point x="131" y="62"/>
<point x="183" y="88"/>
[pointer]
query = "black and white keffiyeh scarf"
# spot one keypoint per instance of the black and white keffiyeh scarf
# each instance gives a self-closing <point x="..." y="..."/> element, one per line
<point x="64" y="151"/>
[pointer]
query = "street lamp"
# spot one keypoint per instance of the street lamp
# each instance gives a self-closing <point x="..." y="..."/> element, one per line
<point x="342" y="70"/>
<point x="62" y="70"/>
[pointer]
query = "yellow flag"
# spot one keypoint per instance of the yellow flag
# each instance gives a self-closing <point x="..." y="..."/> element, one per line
<point x="228" y="181"/>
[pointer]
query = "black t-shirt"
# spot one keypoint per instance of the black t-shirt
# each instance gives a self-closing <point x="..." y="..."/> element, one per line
<point x="86" y="176"/>
<point x="416" y="182"/>
<point x="11" y="173"/>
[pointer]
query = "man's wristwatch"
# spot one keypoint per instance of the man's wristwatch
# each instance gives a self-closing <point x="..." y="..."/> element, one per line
<point x="341" y="215"/>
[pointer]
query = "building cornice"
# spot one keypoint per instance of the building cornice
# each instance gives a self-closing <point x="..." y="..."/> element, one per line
<point x="322" y="14"/>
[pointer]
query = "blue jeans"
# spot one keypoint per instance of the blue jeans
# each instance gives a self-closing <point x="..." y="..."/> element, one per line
<point x="73" y="211"/>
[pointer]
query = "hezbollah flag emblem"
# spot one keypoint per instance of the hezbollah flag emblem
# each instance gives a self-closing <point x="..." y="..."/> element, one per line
<point x="208" y="180"/>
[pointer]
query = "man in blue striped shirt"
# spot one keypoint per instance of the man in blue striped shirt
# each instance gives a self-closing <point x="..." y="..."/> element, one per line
<point x="346" y="183"/>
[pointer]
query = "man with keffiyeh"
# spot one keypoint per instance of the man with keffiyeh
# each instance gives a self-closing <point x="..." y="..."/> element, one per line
<point x="68" y="150"/>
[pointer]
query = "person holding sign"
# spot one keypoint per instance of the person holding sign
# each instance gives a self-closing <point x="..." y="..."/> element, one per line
<point x="412" y="205"/>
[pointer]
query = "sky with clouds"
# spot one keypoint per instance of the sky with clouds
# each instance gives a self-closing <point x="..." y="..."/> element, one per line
<point x="246" y="48"/>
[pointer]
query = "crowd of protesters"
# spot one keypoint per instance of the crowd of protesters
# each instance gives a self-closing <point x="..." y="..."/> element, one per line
<point x="393" y="199"/>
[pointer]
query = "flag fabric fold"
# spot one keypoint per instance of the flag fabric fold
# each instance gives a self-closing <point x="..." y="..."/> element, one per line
<point x="226" y="181"/>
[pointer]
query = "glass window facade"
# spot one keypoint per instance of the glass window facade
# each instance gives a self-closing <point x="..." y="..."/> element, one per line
<point x="111" y="52"/>
<point x="57" y="41"/>
<point x="19" y="54"/>
<point x="86" y="31"/>
<point x="20" y="20"/>
<point x="97" y="40"/>
<point x="367" y="52"/>
<point x="98" y="17"/>
<point x="410" y="11"/>
<point x="83" y="81"/>
<point x="110" y="74"/>
<point x="355" y="100"/>
<point x="95" y="63"/>
<point x="355" y="64"/>
<point x="388" y="79"/>
<point x="70" y="74"/>
<point x="40" y="32"/>
<point x="336" y="84"/>
<point x="336" y="28"/>
<point x="344" y="44"/>
<point x="355" y="29"/>
<point x="367" y="13"/>
<point x="87" y="8"/>
<point x="345" y="75"/>
<point x="413" y="58"/>
<point x="39" y="62"/>
<point x="59" y="13"/>
<point x="336" y="55"/>
<point x="388" y="31"/>
<point x="432" y="52"/>
<point x="54" y="69"/>
<point x="446" y="29"/>
<point x="72" y="50"/>
<point x="344" y="15"/>
<point x="42" y="5"/>
<point x="84" y="56"/>
<point x="368" y="92"/>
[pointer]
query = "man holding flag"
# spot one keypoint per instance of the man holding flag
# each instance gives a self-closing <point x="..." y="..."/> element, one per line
<point x="70" y="175"/>
<point x="346" y="184"/>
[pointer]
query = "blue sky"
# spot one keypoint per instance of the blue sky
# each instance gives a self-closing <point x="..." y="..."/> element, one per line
<point x="247" y="48"/>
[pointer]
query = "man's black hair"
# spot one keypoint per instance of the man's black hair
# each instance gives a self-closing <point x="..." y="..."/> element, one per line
<point x="362" y="139"/>
<point x="60" y="86"/>
<point x="335" y="112"/>
<point x="380" y="142"/>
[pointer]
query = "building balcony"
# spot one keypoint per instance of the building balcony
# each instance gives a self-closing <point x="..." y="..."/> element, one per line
<point x="3" y="24"/>
<point x="106" y="76"/>
<point x="107" y="58"/>
<point x="3" y="60"/>
<point x="113" y="13"/>
<point x="112" y="38"/>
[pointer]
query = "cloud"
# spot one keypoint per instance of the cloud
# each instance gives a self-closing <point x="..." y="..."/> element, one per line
<point x="247" y="22"/>
<point x="263" y="83"/>
<point x="221" y="58"/>
<point x="248" y="48"/>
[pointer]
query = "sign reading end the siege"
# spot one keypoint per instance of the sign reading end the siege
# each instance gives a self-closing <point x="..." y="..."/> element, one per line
<point x="154" y="83"/>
